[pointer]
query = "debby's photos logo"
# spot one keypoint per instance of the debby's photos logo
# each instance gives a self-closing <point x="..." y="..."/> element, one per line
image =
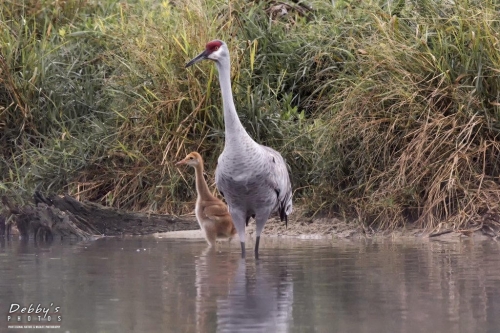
<point x="34" y="314"/>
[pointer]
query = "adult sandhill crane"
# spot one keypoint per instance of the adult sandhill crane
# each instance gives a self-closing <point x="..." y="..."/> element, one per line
<point x="251" y="177"/>
<point x="211" y="212"/>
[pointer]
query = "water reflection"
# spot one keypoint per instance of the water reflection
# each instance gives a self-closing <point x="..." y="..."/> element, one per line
<point x="214" y="273"/>
<point x="234" y="294"/>
<point x="257" y="300"/>
<point x="401" y="287"/>
<point x="150" y="285"/>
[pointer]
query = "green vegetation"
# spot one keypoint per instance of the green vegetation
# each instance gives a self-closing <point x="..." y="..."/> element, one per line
<point x="387" y="112"/>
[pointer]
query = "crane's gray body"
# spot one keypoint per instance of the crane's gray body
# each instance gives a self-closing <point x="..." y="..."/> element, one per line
<point x="252" y="178"/>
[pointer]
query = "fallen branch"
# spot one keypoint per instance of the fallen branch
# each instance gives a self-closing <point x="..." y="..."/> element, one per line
<point x="54" y="216"/>
<point x="444" y="232"/>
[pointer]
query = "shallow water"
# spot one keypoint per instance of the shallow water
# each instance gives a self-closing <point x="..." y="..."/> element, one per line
<point x="168" y="285"/>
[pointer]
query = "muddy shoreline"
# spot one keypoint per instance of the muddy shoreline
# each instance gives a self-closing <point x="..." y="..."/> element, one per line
<point x="64" y="216"/>
<point x="336" y="230"/>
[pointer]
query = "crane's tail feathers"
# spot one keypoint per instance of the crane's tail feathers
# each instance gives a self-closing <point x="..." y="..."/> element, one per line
<point x="284" y="216"/>
<point x="285" y="206"/>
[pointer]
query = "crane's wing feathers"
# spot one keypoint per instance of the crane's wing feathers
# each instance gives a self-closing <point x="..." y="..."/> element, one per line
<point x="216" y="211"/>
<point x="281" y="182"/>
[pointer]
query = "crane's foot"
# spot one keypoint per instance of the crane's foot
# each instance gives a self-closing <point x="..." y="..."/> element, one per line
<point x="242" y="250"/>
<point x="257" y="241"/>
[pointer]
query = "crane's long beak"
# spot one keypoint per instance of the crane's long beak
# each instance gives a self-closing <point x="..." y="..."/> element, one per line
<point x="202" y="56"/>
<point x="182" y="162"/>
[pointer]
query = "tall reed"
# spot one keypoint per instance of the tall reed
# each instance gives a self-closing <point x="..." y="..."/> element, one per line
<point x="385" y="111"/>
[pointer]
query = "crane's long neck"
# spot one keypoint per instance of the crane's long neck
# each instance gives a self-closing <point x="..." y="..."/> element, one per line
<point x="232" y="123"/>
<point x="201" y="184"/>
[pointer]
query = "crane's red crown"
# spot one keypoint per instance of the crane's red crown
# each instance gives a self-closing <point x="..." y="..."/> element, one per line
<point x="213" y="45"/>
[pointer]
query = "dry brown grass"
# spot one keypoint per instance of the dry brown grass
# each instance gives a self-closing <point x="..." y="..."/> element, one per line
<point x="385" y="115"/>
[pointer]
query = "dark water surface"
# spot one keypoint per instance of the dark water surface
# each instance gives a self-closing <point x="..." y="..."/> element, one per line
<point x="165" y="285"/>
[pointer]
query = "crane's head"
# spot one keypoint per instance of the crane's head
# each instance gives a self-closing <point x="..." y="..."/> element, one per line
<point x="192" y="159"/>
<point x="214" y="50"/>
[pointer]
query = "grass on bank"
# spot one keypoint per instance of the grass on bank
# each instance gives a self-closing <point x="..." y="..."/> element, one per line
<point x="385" y="113"/>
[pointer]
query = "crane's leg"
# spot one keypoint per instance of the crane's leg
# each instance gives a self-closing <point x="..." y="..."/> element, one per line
<point x="239" y="219"/>
<point x="260" y="220"/>
<point x="257" y="241"/>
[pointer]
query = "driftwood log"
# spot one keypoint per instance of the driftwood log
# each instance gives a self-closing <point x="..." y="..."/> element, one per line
<point x="55" y="216"/>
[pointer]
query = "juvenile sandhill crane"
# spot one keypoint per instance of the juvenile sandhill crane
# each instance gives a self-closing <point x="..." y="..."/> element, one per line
<point x="211" y="212"/>
<point x="251" y="177"/>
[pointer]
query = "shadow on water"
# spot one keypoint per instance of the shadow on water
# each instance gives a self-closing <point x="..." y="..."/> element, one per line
<point x="144" y="284"/>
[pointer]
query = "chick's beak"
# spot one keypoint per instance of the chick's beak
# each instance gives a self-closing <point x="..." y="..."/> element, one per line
<point x="202" y="56"/>
<point x="181" y="162"/>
